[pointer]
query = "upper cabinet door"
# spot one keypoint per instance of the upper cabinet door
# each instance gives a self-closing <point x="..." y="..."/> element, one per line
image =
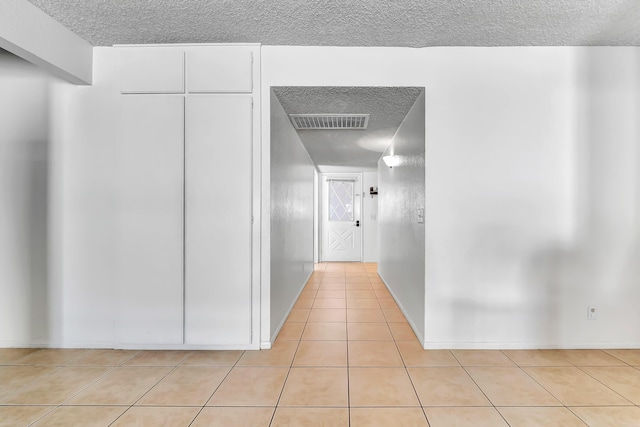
<point x="220" y="69"/>
<point x="151" y="70"/>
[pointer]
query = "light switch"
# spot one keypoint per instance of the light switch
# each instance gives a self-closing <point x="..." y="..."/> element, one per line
<point x="420" y="215"/>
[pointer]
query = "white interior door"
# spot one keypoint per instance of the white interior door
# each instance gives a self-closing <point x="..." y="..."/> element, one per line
<point x="341" y="233"/>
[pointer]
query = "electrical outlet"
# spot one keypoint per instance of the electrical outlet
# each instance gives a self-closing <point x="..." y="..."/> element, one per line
<point x="592" y="313"/>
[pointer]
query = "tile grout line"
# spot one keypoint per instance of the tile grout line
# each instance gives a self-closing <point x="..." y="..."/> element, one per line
<point x="174" y="367"/>
<point x="346" y="327"/>
<point x="275" y="409"/>
<point x="404" y="364"/>
<point x="57" y="406"/>
<point x="578" y="367"/>
<point x="406" y="369"/>
<point x="522" y="368"/>
<point x="562" y="405"/>
<point x="478" y="386"/>
<point x="217" y="387"/>
<point x="605" y="385"/>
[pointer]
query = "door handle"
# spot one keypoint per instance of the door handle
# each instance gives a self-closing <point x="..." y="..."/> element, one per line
<point x="357" y="223"/>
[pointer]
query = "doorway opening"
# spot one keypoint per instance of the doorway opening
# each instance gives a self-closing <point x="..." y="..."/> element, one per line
<point x="323" y="183"/>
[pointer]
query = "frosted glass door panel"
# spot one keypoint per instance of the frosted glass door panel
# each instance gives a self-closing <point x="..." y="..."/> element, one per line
<point x="151" y="200"/>
<point x="341" y="200"/>
<point x="218" y="220"/>
<point x="220" y="69"/>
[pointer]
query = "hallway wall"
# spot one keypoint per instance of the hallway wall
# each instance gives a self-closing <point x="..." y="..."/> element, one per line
<point x="292" y="209"/>
<point x="371" y="250"/>
<point x="402" y="257"/>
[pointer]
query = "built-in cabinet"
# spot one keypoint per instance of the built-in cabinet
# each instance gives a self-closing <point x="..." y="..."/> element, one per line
<point x="186" y="157"/>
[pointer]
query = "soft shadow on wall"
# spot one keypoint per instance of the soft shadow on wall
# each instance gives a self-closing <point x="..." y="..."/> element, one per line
<point x="599" y="268"/>
<point x="24" y="199"/>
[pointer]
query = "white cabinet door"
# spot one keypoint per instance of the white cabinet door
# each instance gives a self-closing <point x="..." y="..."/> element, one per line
<point x="218" y="219"/>
<point x="220" y="69"/>
<point x="151" y="70"/>
<point x="151" y="202"/>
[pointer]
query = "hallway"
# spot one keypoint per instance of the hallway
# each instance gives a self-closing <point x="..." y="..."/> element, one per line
<point x="345" y="357"/>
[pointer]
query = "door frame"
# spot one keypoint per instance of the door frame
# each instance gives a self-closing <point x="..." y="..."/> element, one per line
<point x="320" y="209"/>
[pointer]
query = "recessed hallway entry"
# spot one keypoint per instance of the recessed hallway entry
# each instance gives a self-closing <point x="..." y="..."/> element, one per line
<point x="297" y="168"/>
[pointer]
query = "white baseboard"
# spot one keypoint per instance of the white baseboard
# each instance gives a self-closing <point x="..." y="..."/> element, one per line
<point x="528" y="346"/>
<point x="284" y="319"/>
<point x="404" y="312"/>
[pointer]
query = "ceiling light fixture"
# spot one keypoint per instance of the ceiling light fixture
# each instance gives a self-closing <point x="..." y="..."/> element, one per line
<point x="391" y="160"/>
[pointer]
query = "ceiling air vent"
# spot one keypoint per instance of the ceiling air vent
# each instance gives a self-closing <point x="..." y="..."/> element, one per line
<point x="329" y="121"/>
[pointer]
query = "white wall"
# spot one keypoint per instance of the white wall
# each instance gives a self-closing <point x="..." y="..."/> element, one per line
<point x="292" y="209"/>
<point x="402" y="235"/>
<point x="507" y="174"/>
<point x="316" y="216"/>
<point x="500" y="199"/>
<point x="85" y="207"/>
<point x="58" y="204"/>
<point x="531" y="189"/>
<point x="25" y="143"/>
<point x="532" y="200"/>
<point x="604" y="267"/>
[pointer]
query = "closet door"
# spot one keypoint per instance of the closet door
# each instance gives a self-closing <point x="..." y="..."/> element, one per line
<point x="218" y="219"/>
<point x="151" y="249"/>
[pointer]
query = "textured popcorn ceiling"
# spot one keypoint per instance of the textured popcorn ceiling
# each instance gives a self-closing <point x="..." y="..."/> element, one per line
<point x="387" y="106"/>
<point x="413" y="23"/>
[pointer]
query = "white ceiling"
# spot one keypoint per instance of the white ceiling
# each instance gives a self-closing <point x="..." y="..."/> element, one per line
<point x="412" y="23"/>
<point x="387" y="107"/>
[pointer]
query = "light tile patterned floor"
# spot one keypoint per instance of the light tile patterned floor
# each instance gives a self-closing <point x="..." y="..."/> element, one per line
<point x="345" y="357"/>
